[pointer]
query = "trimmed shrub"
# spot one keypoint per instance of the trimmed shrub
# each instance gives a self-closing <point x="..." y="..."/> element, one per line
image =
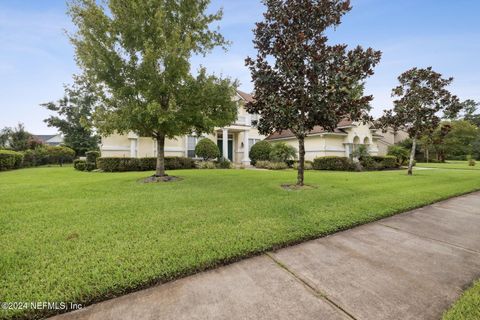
<point x="308" y="165"/>
<point x="29" y="158"/>
<point x="282" y="152"/>
<point x="116" y="164"/>
<point x="271" y="165"/>
<point x="10" y="160"/>
<point x="260" y="151"/>
<point x="80" y="166"/>
<point x="92" y="156"/>
<point x="207" y="149"/>
<point x="82" y="163"/>
<point x="60" y="155"/>
<point x="89" y="166"/>
<point x="390" y="162"/>
<point x="224" y="164"/>
<point x="333" y="163"/>
<point x="401" y="153"/>
<point x="206" y="165"/>
<point x="471" y="161"/>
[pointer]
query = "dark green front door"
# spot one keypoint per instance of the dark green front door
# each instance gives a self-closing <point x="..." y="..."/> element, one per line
<point x="230" y="148"/>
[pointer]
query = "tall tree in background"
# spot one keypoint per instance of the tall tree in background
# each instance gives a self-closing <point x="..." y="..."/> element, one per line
<point x="74" y="117"/>
<point x="137" y="53"/>
<point x="301" y="81"/>
<point x="422" y="98"/>
<point x="470" y="111"/>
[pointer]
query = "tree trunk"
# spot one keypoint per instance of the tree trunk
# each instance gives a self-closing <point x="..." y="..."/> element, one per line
<point x="427" y="154"/>
<point x="301" y="161"/>
<point x="160" y="172"/>
<point x="412" y="156"/>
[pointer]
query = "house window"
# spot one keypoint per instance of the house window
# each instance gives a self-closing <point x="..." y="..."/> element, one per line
<point x="191" y="143"/>
<point x="251" y="142"/>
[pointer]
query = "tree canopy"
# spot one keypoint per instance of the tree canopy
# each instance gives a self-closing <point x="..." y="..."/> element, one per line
<point x="137" y="53"/>
<point x="74" y="116"/>
<point x="422" y="99"/>
<point x="300" y="80"/>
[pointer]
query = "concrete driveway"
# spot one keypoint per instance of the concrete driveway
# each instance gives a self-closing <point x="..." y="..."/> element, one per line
<point x="410" y="266"/>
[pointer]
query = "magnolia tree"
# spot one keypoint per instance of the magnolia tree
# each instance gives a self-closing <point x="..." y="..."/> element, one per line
<point x="422" y="99"/>
<point x="301" y="81"/>
<point x="137" y="53"/>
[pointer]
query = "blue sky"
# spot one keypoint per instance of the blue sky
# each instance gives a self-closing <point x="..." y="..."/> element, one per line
<point x="36" y="58"/>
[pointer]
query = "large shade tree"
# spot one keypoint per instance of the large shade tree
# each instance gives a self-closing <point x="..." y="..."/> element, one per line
<point x="300" y="80"/>
<point x="422" y="99"/>
<point x="74" y="116"/>
<point x="137" y="53"/>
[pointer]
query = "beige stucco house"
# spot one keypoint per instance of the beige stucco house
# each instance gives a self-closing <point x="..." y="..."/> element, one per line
<point x="234" y="141"/>
<point x="341" y="142"/>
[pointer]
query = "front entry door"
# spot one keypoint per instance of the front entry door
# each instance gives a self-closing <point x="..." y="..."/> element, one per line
<point x="230" y="148"/>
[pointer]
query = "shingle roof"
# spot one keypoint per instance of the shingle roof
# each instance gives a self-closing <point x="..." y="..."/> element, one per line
<point x="245" y="96"/>
<point x="316" y="129"/>
<point x="44" y="137"/>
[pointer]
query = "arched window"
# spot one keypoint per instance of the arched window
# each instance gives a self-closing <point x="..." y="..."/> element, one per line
<point x="366" y="141"/>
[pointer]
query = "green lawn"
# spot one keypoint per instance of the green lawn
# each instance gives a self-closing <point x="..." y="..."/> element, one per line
<point x="450" y="164"/>
<point x="83" y="237"/>
<point x="467" y="307"/>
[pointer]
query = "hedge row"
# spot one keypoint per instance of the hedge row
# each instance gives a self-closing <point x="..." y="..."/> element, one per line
<point x="10" y="160"/>
<point x="346" y="164"/>
<point x="115" y="164"/>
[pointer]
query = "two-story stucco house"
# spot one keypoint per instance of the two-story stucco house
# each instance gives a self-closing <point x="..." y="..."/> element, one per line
<point x="341" y="142"/>
<point x="234" y="141"/>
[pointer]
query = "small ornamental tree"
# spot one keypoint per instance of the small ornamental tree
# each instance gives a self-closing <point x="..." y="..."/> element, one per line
<point x="207" y="149"/>
<point x="74" y="116"/>
<point x="282" y="152"/>
<point x="301" y="81"/>
<point x="137" y="54"/>
<point x="422" y="96"/>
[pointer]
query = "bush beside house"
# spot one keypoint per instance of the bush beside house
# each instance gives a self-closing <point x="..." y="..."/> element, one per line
<point x="260" y="151"/>
<point x="207" y="149"/>
<point x="111" y="164"/>
<point x="10" y="160"/>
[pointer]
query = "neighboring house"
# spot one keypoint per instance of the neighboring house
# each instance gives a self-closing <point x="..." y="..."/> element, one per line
<point x="340" y="142"/>
<point x="234" y="141"/>
<point x="50" y="139"/>
<point x="388" y="138"/>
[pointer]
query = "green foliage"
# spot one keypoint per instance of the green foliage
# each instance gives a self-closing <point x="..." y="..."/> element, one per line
<point x="137" y="55"/>
<point x="307" y="166"/>
<point x="224" y="164"/>
<point x="361" y="151"/>
<point x="60" y="155"/>
<point x="460" y="139"/>
<point x="260" y="151"/>
<point x="271" y="165"/>
<point x="207" y="149"/>
<point x="114" y="164"/>
<point x="246" y="213"/>
<point x="206" y="165"/>
<point x="10" y="160"/>
<point x="74" y="116"/>
<point x="422" y="97"/>
<point x="300" y="80"/>
<point x="333" y="163"/>
<point x="92" y="156"/>
<point x="388" y="162"/>
<point x="467" y="307"/>
<point x="401" y="153"/>
<point x="79" y="164"/>
<point x="471" y="161"/>
<point x="281" y="152"/>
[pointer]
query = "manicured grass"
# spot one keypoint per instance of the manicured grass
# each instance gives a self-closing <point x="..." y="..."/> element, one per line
<point x="467" y="307"/>
<point x="82" y="237"/>
<point x="451" y="164"/>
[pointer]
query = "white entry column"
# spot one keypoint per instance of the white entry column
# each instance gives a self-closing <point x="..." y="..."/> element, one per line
<point x="133" y="148"/>
<point x="246" y="147"/>
<point x="225" y="143"/>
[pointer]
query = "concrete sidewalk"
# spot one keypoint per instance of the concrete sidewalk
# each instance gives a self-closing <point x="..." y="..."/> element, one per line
<point x="410" y="266"/>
